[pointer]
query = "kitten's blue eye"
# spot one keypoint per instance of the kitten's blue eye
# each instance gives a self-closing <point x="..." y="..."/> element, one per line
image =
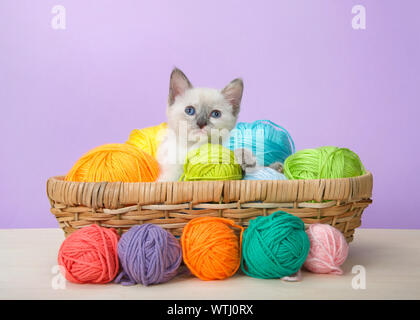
<point x="215" y="114"/>
<point x="190" y="110"/>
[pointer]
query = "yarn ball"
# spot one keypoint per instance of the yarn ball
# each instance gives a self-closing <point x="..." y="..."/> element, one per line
<point x="89" y="255"/>
<point x="328" y="250"/>
<point x="210" y="247"/>
<point x="268" y="141"/>
<point x="148" y="255"/>
<point x="148" y="139"/>
<point x="323" y="163"/>
<point x="115" y="162"/>
<point x="265" y="173"/>
<point x="211" y="162"/>
<point x="274" y="246"/>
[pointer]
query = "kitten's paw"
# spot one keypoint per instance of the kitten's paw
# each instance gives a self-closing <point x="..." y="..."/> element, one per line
<point x="170" y="173"/>
<point x="161" y="179"/>
<point x="245" y="158"/>
<point x="278" y="166"/>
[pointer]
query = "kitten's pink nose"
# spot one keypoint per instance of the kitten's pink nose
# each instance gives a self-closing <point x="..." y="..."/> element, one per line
<point x="201" y="124"/>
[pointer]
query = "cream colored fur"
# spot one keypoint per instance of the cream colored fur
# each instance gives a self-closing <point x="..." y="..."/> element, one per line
<point x="186" y="132"/>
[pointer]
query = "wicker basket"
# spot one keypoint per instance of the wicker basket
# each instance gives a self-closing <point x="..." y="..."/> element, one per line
<point x="120" y="205"/>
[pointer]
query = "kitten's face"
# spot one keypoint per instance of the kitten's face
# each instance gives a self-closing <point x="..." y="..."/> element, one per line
<point x="202" y="111"/>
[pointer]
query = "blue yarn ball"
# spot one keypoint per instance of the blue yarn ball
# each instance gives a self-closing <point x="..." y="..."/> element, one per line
<point x="268" y="141"/>
<point x="265" y="173"/>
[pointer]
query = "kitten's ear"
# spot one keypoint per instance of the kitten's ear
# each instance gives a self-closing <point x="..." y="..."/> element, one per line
<point x="233" y="94"/>
<point x="178" y="84"/>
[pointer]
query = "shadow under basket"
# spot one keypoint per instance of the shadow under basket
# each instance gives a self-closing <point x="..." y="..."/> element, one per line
<point x="171" y="205"/>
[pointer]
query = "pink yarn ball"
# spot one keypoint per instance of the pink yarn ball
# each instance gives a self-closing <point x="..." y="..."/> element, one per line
<point x="328" y="249"/>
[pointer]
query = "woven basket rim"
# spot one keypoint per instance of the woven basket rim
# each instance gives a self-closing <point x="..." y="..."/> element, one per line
<point x="61" y="178"/>
<point x="120" y="194"/>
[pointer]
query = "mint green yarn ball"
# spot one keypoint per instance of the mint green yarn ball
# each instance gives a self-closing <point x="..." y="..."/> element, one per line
<point x="274" y="246"/>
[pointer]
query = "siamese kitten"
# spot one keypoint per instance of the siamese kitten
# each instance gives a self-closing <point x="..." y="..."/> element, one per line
<point x="197" y="116"/>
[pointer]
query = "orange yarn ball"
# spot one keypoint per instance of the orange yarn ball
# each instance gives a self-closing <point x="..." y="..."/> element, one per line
<point x="210" y="247"/>
<point x="89" y="255"/>
<point x="115" y="162"/>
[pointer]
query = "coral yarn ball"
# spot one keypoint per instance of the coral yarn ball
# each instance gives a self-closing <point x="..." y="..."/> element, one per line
<point x="113" y="163"/>
<point x="210" y="247"/>
<point x="328" y="249"/>
<point x="89" y="255"/>
<point x="149" y="255"/>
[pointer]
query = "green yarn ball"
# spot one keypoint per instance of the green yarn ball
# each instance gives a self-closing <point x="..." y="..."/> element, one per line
<point x="323" y="163"/>
<point x="211" y="162"/>
<point x="274" y="246"/>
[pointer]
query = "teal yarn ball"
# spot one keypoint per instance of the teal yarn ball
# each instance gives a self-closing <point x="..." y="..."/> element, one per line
<point x="268" y="141"/>
<point x="274" y="246"/>
<point x="265" y="173"/>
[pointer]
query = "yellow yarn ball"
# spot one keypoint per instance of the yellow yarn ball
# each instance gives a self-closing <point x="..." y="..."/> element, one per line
<point x="148" y="139"/>
<point x="115" y="162"/>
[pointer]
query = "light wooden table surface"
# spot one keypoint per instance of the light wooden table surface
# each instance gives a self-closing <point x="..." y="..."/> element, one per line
<point x="390" y="258"/>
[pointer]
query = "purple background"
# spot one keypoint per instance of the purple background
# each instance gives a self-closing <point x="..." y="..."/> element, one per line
<point x="63" y="92"/>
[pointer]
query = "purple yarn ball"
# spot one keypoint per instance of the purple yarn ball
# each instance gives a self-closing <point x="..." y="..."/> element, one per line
<point x="148" y="255"/>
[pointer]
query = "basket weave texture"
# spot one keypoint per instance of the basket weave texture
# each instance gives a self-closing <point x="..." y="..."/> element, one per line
<point x="171" y="205"/>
